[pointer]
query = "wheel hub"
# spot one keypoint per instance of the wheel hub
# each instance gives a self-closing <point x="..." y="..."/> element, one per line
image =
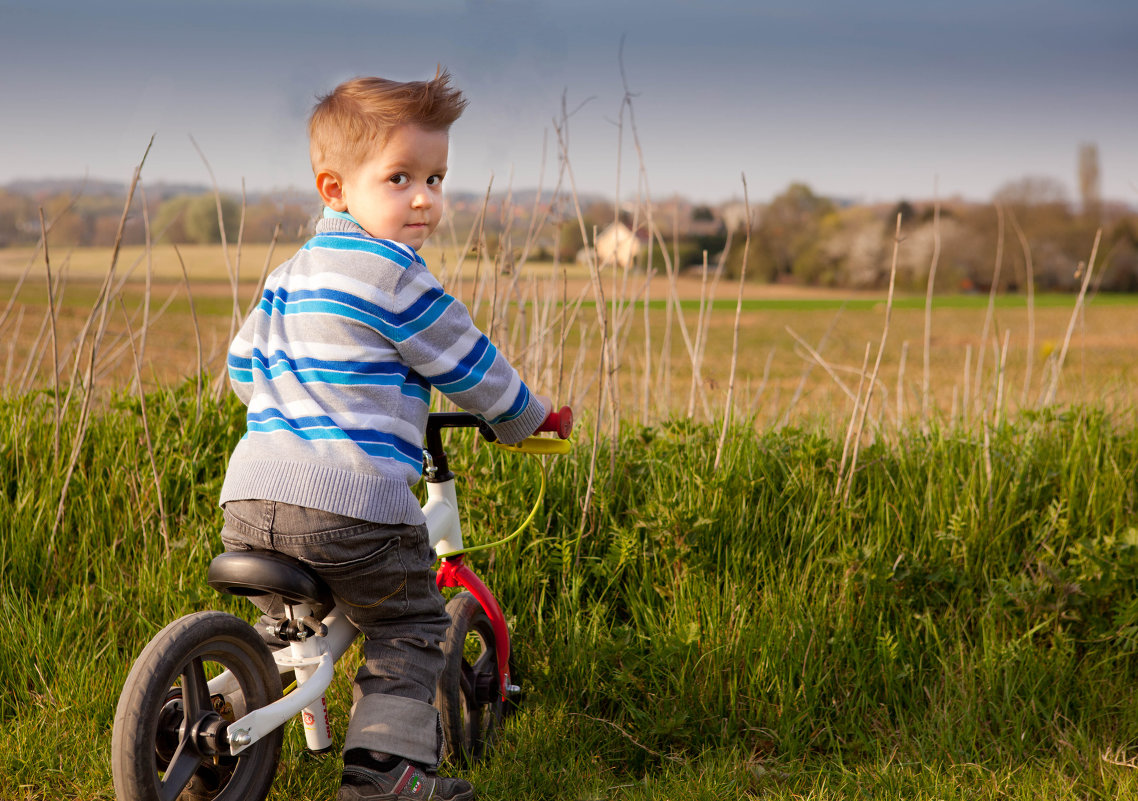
<point x="208" y="734"/>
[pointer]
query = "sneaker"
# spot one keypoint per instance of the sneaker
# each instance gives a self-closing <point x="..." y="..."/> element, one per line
<point x="403" y="781"/>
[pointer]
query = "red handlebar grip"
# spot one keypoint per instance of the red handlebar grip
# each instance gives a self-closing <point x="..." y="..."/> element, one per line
<point x="560" y="422"/>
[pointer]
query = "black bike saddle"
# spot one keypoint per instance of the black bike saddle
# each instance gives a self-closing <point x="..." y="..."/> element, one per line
<point x="267" y="573"/>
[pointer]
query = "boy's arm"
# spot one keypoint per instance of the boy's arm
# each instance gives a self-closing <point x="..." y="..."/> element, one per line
<point x="443" y="345"/>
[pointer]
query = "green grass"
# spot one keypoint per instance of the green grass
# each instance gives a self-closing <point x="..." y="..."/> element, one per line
<point x="966" y="626"/>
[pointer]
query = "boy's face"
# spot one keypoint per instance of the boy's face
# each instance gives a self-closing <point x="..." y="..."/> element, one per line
<point x="396" y="192"/>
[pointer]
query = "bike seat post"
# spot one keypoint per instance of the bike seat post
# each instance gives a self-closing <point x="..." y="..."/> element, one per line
<point x="306" y="645"/>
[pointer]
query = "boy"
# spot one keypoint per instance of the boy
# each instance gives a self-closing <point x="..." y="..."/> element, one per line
<point x="336" y="367"/>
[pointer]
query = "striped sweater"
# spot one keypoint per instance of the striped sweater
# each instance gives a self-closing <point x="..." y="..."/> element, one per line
<point x="336" y="366"/>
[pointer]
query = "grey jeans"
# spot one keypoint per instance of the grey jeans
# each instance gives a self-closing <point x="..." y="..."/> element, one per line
<point x="383" y="577"/>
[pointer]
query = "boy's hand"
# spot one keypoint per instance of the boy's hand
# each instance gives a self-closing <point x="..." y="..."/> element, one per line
<point x="546" y="401"/>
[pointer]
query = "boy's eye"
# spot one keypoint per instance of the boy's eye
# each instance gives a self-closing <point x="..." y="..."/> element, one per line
<point x="434" y="180"/>
<point x="399" y="179"/>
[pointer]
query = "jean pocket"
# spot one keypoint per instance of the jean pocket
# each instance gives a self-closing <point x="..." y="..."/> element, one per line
<point x="375" y="584"/>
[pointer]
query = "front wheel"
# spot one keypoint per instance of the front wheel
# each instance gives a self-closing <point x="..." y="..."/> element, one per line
<point x="168" y="741"/>
<point x="468" y="697"/>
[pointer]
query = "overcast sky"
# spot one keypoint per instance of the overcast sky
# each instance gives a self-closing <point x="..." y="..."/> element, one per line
<point x="875" y="100"/>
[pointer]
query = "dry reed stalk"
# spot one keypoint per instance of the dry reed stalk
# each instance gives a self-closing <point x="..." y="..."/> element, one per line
<point x="674" y="300"/>
<point x="646" y="390"/>
<point x="728" y="405"/>
<point x="501" y="261"/>
<point x="111" y="356"/>
<point x="20" y="283"/>
<point x="480" y="251"/>
<point x="877" y="362"/>
<point x="702" y="349"/>
<point x="752" y="407"/>
<point x="454" y="278"/>
<point x="237" y="256"/>
<point x="551" y="317"/>
<point x="925" y="388"/>
<point x="665" y="375"/>
<point x="851" y="427"/>
<point x="103" y="302"/>
<point x="603" y="373"/>
<point x="197" y="328"/>
<point x="35" y="355"/>
<point x="801" y="387"/>
<point x="260" y="290"/>
<point x="538" y="217"/>
<point x="641" y="297"/>
<point x="697" y="357"/>
<point x="987" y="451"/>
<point x="574" y="391"/>
<point x="149" y="278"/>
<point x="146" y="432"/>
<point x="1003" y="363"/>
<point x="8" y="382"/>
<point x="54" y="341"/>
<point x="901" y="382"/>
<point x="622" y="304"/>
<point x="1030" y="280"/>
<point x="1050" y="397"/>
<point x="644" y="193"/>
<point x="561" y="336"/>
<point x="966" y="394"/>
<point x="821" y="362"/>
<point x="229" y="268"/>
<point x="991" y="310"/>
<point x="23" y="277"/>
<point x="12" y="349"/>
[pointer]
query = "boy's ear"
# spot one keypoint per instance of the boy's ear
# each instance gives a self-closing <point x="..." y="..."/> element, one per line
<point x="331" y="189"/>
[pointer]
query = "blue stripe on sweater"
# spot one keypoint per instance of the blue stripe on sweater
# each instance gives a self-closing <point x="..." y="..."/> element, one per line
<point x="470" y="371"/>
<point x="396" y="326"/>
<point x="347" y="373"/>
<point x="519" y="405"/>
<point x="374" y="443"/>
<point x="239" y="369"/>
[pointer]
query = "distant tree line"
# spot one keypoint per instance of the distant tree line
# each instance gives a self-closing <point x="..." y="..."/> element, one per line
<point x="799" y="237"/>
<point x="1030" y="229"/>
<point x="78" y="219"/>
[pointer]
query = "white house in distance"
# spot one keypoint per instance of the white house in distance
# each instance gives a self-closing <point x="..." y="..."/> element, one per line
<point x="615" y="246"/>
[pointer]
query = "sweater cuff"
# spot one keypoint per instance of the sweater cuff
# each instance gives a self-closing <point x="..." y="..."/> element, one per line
<point x="526" y="423"/>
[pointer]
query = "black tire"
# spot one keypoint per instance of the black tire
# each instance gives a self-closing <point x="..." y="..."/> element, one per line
<point x="153" y="758"/>
<point x="468" y="699"/>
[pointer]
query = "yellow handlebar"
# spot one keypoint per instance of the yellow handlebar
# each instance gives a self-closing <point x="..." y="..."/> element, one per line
<point x="538" y="446"/>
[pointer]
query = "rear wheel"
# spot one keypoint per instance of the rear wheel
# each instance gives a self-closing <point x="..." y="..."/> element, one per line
<point x="169" y="737"/>
<point x="468" y="698"/>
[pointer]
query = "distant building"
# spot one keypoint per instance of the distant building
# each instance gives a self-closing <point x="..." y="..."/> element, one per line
<point x="735" y="216"/>
<point x="616" y="246"/>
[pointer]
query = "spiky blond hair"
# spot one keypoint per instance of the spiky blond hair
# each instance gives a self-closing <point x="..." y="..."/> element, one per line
<point x="360" y="114"/>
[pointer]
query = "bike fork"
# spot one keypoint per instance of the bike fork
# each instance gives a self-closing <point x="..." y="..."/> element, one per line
<point x="453" y="572"/>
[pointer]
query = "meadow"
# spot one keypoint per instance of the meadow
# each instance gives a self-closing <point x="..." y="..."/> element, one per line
<point x="806" y="546"/>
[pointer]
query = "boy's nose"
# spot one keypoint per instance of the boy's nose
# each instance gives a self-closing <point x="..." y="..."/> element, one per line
<point x="421" y="199"/>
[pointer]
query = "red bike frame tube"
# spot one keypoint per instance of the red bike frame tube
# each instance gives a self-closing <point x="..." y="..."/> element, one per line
<point x="453" y="572"/>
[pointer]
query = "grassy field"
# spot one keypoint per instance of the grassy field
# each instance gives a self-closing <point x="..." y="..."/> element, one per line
<point x="903" y="594"/>
<point x="964" y="626"/>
